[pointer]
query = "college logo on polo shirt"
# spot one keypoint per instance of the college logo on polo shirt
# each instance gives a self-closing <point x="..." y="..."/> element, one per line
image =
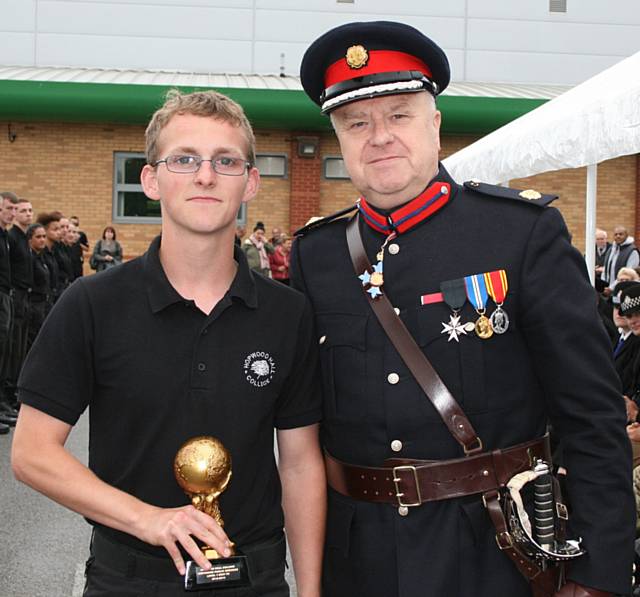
<point x="259" y="368"/>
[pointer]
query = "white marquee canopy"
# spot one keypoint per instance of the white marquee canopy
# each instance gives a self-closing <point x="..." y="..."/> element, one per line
<point x="595" y="121"/>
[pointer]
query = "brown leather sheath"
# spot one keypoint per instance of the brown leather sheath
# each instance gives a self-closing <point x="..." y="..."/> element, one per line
<point x="412" y="482"/>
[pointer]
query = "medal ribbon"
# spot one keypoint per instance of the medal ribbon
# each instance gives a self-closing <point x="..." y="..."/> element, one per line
<point x="424" y="205"/>
<point x="476" y="291"/>
<point x="497" y="285"/>
<point x="453" y="293"/>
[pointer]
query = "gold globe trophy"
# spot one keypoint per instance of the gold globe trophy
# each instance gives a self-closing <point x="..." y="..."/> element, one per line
<point x="202" y="467"/>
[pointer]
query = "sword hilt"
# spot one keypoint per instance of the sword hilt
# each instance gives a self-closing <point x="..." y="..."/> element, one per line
<point x="543" y="503"/>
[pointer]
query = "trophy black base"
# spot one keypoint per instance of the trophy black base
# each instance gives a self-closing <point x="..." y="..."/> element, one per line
<point x="224" y="573"/>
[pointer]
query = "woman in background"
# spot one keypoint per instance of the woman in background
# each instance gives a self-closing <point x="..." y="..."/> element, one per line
<point x="40" y="297"/>
<point x="279" y="260"/>
<point x="107" y="251"/>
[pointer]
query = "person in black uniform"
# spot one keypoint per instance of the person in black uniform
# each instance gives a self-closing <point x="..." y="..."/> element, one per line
<point x="448" y="258"/>
<point x="81" y="247"/>
<point x="182" y="342"/>
<point x="51" y="223"/>
<point x="39" y="299"/>
<point x="21" y="283"/>
<point x="8" y="415"/>
<point x="61" y="252"/>
<point x="627" y="345"/>
<point x="75" y="248"/>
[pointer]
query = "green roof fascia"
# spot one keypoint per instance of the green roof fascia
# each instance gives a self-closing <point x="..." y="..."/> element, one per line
<point x="266" y="108"/>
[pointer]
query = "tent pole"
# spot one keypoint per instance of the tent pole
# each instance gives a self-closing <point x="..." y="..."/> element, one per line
<point x="590" y="232"/>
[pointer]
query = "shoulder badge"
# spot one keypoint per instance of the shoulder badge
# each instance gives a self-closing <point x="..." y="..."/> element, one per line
<point x="527" y="196"/>
<point x="316" y="222"/>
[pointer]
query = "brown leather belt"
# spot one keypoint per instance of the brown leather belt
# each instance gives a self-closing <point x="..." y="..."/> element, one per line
<point x="406" y="482"/>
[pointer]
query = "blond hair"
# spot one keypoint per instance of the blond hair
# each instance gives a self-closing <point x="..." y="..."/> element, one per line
<point x="199" y="103"/>
<point x="628" y="272"/>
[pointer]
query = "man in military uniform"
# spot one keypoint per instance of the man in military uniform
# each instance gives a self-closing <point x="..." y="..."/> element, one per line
<point x="467" y="270"/>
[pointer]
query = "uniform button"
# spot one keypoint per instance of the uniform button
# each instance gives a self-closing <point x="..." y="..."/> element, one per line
<point x="394" y="249"/>
<point x="396" y="310"/>
<point x="403" y="510"/>
<point x="201" y="366"/>
<point x="393" y="378"/>
<point x="444" y="190"/>
<point x="396" y="445"/>
<point x="322" y="340"/>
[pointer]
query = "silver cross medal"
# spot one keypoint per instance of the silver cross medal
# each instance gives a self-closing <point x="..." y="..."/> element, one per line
<point x="454" y="328"/>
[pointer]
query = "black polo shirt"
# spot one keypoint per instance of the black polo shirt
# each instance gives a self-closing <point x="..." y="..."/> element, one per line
<point x="52" y="265"/>
<point x="65" y="267"/>
<point x="5" y="262"/>
<point x="41" y="288"/>
<point x="156" y="371"/>
<point x="21" y="263"/>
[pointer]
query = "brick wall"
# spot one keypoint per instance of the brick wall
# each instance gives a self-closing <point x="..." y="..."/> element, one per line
<point x="70" y="167"/>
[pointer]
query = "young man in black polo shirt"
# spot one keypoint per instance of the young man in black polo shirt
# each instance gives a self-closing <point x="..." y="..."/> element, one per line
<point x="8" y="203"/>
<point x="181" y="342"/>
<point x="21" y="283"/>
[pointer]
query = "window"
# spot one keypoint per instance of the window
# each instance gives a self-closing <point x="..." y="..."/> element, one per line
<point x="334" y="168"/>
<point x="557" y="5"/>
<point x="272" y="164"/>
<point x="130" y="204"/>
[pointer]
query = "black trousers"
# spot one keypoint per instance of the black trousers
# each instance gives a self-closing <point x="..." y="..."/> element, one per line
<point x="115" y="570"/>
<point x="19" y="334"/>
<point x="6" y="318"/>
<point x="37" y="314"/>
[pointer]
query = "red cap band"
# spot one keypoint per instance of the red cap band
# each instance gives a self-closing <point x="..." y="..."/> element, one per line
<point x="380" y="61"/>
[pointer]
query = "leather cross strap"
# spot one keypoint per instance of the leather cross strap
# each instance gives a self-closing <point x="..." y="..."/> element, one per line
<point x="426" y="376"/>
<point x="405" y="482"/>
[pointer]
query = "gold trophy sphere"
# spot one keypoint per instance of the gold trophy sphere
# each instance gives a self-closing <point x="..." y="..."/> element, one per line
<point x="202" y="465"/>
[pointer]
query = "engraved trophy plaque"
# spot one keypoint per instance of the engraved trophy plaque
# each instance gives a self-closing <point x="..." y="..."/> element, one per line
<point x="202" y="468"/>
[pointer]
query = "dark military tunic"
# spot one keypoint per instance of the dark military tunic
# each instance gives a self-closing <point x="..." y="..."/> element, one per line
<point x="553" y="364"/>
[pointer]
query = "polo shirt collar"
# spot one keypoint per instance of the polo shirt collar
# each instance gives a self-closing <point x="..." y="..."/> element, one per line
<point x="162" y="294"/>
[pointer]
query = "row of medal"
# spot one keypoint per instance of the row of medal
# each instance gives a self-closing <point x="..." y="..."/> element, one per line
<point x="476" y="289"/>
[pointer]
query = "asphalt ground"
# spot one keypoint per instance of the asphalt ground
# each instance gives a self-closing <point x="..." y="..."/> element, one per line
<point x="43" y="546"/>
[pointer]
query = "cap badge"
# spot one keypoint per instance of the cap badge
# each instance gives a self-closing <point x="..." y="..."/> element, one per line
<point x="530" y="194"/>
<point x="357" y="57"/>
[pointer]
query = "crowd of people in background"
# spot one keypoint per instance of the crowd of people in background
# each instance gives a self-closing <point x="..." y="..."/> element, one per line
<point x="617" y="276"/>
<point x="268" y="256"/>
<point x="40" y="256"/>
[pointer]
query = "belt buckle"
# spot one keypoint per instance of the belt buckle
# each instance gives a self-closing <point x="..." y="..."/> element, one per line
<point x="396" y="481"/>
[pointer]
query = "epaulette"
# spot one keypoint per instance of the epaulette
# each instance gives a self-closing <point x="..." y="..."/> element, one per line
<point x="314" y="223"/>
<point x="528" y="196"/>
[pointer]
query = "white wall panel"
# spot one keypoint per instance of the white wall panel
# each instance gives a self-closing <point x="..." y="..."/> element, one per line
<point x="297" y="26"/>
<point x="578" y="11"/>
<point x="563" y="38"/>
<point x="521" y="67"/>
<point x="17" y="15"/>
<point x="151" y="4"/>
<point x="497" y="40"/>
<point x="145" y="52"/>
<point x="18" y="49"/>
<point x="267" y="57"/>
<point x="134" y="20"/>
<point x="362" y="8"/>
<point x="456" y="62"/>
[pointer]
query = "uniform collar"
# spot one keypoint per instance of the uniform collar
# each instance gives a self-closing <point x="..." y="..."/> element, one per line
<point x="162" y="294"/>
<point x="432" y="199"/>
